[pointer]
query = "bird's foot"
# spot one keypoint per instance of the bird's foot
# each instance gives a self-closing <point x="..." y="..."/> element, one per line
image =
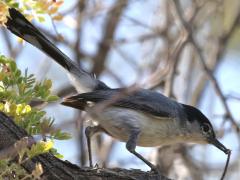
<point x="96" y="166"/>
<point x="155" y="170"/>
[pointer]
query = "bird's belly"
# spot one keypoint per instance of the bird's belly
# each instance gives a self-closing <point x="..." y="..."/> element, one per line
<point x="154" y="131"/>
<point x="158" y="132"/>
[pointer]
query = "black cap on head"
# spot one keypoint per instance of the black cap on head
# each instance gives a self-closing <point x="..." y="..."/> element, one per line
<point x="193" y="114"/>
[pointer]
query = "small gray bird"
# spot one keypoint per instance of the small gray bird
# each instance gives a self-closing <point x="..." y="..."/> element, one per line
<point x="139" y="118"/>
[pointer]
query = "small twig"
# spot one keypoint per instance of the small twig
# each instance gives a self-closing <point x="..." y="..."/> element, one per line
<point x="117" y="79"/>
<point x="127" y="59"/>
<point x="81" y="9"/>
<point x="139" y="23"/>
<point x="140" y="38"/>
<point x="226" y="165"/>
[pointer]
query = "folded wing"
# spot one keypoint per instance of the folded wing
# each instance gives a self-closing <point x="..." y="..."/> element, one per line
<point x="141" y="100"/>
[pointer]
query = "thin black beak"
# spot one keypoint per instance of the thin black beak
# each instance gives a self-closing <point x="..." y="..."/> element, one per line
<point x="219" y="145"/>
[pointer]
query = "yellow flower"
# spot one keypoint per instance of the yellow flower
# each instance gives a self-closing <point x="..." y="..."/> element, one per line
<point x="22" y="109"/>
<point x="8" y="107"/>
<point x="46" y="145"/>
<point x="1" y="106"/>
<point x="39" y="148"/>
<point x="26" y="109"/>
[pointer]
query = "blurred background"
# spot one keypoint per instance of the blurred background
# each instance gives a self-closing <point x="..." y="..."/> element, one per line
<point x="188" y="50"/>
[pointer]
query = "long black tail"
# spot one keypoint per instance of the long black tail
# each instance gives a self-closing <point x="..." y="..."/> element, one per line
<point x="21" y="27"/>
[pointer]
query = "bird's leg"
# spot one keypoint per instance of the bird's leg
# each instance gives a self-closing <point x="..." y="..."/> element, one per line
<point x="89" y="132"/>
<point x="131" y="145"/>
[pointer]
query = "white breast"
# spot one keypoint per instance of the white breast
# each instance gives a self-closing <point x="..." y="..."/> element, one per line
<point x="154" y="131"/>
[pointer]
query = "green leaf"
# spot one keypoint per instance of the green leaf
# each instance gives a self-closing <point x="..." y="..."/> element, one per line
<point x="41" y="18"/>
<point x="13" y="66"/>
<point x="18" y="73"/>
<point x="61" y="135"/>
<point x="15" y="5"/>
<point x="56" y="154"/>
<point x="48" y="83"/>
<point x="52" y="98"/>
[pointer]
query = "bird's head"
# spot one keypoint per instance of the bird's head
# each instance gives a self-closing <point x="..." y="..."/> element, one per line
<point x="201" y="127"/>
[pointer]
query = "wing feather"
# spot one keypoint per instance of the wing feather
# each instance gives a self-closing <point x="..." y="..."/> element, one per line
<point x="142" y="100"/>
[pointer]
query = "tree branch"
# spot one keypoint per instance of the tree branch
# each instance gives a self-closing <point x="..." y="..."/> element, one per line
<point x="110" y="28"/>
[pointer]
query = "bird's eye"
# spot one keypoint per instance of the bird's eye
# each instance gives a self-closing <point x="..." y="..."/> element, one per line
<point x="206" y="129"/>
